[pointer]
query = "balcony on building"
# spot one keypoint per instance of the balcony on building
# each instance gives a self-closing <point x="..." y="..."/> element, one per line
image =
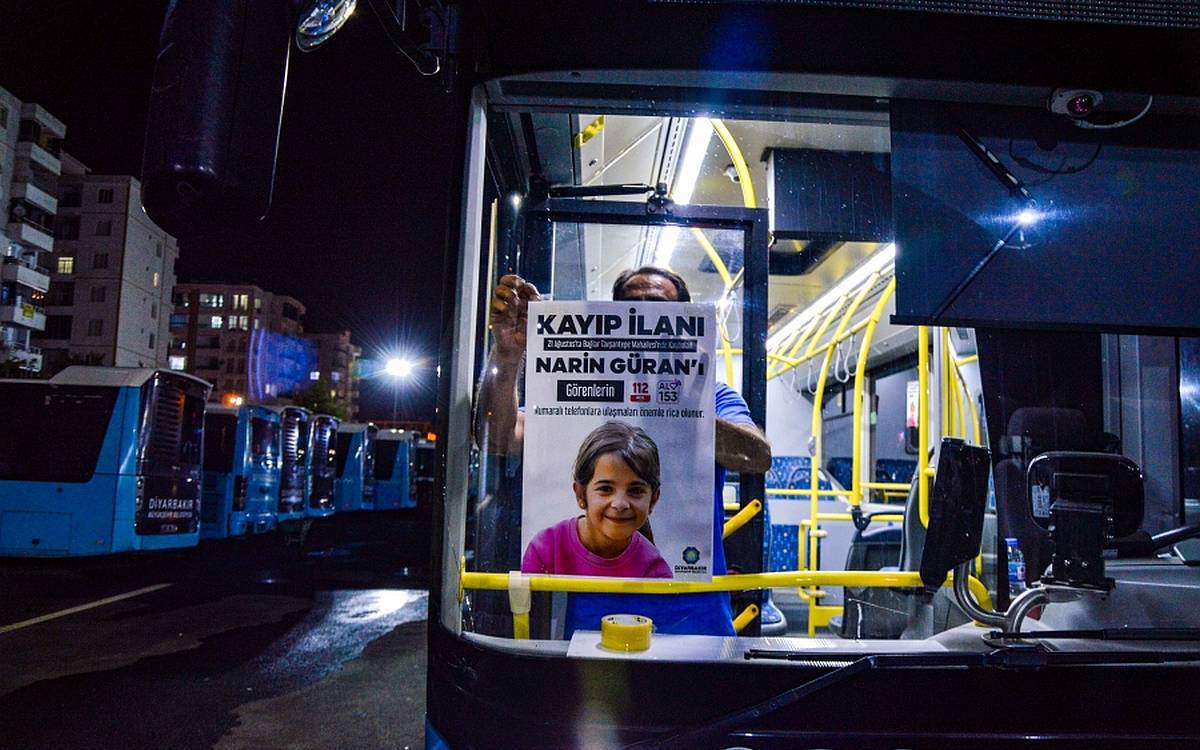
<point x="27" y="357"/>
<point x="22" y="311"/>
<point x="30" y="225"/>
<point x="37" y="188"/>
<point x="25" y="272"/>
<point x="40" y="138"/>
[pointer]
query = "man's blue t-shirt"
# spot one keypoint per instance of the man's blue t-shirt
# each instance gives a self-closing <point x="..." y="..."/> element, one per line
<point x="708" y="613"/>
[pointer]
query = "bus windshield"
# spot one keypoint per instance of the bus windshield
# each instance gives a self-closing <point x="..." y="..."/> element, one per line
<point x="385" y="458"/>
<point x="819" y="243"/>
<point x="344" y="440"/>
<point x="174" y="425"/>
<point x="54" y="433"/>
<point x="220" y="440"/>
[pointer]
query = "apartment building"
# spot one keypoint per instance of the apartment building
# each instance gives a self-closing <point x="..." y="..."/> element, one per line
<point x="246" y="341"/>
<point x="30" y="148"/>
<point x="111" y="275"/>
<point x="337" y="364"/>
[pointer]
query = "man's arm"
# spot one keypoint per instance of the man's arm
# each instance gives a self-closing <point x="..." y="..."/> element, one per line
<point x="497" y="413"/>
<point x="742" y="447"/>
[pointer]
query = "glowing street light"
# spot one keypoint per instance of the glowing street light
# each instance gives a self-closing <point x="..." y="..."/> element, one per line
<point x="399" y="368"/>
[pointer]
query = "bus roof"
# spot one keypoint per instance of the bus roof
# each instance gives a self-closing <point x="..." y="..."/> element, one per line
<point x="115" y="376"/>
<point x="354" y="426"/>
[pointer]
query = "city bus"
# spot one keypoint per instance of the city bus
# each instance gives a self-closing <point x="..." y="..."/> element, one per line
<point x="322" y="466"/>
<point x="980" y="211"/>
<point x="394" y="477"/>
<point x="294" y="479"/>
<point x="354" y="487"/>
<point x="100" y="460"/>
<point x="242" y="461"/>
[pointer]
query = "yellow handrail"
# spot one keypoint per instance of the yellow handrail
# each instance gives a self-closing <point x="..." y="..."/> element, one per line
<point x="860" y="370"/>
<point x="478" y="581"/>
<point x="752" y="509"/>
<point x="923" y="425"/>
<point x="745" y="618"/>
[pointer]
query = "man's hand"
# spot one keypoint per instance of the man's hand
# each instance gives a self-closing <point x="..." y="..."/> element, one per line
<point x="509" y="316"/>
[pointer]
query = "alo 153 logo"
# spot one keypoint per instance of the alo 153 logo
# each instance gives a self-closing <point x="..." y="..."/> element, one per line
<point x="668" y="391"/>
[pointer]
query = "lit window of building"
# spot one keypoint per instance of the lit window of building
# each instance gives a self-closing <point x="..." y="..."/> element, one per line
<point x="212" y="300"/>
<point x="216" y="321"/>
<point x="177" y="362"/>
<point x="314" y="375"/>
<point x="66" y="264"/>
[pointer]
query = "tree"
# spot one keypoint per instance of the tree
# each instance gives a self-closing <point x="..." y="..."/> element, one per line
<point x="317" y="399"/>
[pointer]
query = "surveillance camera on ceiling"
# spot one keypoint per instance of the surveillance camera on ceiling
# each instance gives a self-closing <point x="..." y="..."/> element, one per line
<point x="1074" y="103"/>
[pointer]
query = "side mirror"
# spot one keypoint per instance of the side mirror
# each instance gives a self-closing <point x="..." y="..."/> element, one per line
<point x="215" y="105"/>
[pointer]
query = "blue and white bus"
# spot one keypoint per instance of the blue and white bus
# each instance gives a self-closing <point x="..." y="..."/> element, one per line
<point x="322" y="466"/>
<point x="295" y="442"/>
<point x="354" y="488"/>
<point x="241" y="471"/>
<point x="100" y="460"/>
<point x="393" y="470"/>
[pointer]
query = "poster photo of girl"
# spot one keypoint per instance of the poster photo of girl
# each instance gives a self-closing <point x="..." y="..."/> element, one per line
<point x="616" y="484"/>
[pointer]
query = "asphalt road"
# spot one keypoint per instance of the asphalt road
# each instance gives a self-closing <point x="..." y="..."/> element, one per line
<point x="240" y="644"/>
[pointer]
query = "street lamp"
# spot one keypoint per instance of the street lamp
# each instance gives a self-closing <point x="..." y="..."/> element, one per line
<point x="398" y="368"/>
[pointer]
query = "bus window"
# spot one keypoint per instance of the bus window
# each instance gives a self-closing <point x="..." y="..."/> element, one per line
<point x="61" y="431"/>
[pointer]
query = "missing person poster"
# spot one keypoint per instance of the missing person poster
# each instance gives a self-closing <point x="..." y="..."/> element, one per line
<point x="619" y="430"/>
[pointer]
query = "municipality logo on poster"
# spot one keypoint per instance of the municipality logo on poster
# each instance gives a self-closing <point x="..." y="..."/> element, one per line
<point x="691" y="559"/>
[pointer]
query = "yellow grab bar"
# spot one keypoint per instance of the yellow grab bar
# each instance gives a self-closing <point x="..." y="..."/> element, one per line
<point x="746" y="616"/>
<point x="477" y="581"/>
<point x="752" y="509"/>
<point x="923" y="425"/>
<point x="860" y="370"/>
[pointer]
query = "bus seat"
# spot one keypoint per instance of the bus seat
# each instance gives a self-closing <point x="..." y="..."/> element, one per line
<point x="1031" y="431"/>
<point x="874" y="612"/>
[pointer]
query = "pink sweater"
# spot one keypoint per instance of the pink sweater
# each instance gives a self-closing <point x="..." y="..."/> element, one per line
<point x="557" y="549"/>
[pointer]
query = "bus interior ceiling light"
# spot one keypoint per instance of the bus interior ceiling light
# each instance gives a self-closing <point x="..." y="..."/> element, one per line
<point x="1028" y="216"/>
<point x="694" y="151"/>
<point x="880" y="260"/>
<point x="320" y="20"/>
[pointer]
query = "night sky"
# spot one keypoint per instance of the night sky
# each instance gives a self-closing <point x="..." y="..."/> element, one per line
<point x="356" y="231"/>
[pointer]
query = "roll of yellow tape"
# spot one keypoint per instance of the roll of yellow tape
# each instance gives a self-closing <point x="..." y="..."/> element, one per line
<point x="625" y="632"/>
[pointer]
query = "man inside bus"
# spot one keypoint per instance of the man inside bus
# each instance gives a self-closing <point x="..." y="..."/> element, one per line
<point x="739" y="446"/>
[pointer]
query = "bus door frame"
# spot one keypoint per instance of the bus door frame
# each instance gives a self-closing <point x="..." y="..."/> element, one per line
<point x="745" y="551"/>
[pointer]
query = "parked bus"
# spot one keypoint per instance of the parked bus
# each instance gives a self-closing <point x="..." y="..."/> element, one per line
<point x="322" y="466"/>
<point x="100" y="460"/>
<point x="354" y="488"/>
<point x="242" y="462"/>
<point x="394" y="478"/>
<point x="977" y="205"/>
<point x="294" y="478"/>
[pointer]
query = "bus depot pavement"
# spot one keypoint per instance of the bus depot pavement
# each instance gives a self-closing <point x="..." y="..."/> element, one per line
<point x="242" y="644"/>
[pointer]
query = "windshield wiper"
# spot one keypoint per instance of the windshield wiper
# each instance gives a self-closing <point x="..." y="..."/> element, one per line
<point x="1023" y="656"/>
<point x="1103" y="634"/>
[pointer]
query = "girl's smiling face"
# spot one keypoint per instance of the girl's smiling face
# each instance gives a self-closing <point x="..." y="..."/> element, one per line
<point x="616" y="502"/>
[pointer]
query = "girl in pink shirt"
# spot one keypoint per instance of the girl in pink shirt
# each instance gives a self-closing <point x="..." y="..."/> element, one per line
<point x="616" y="486"/>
